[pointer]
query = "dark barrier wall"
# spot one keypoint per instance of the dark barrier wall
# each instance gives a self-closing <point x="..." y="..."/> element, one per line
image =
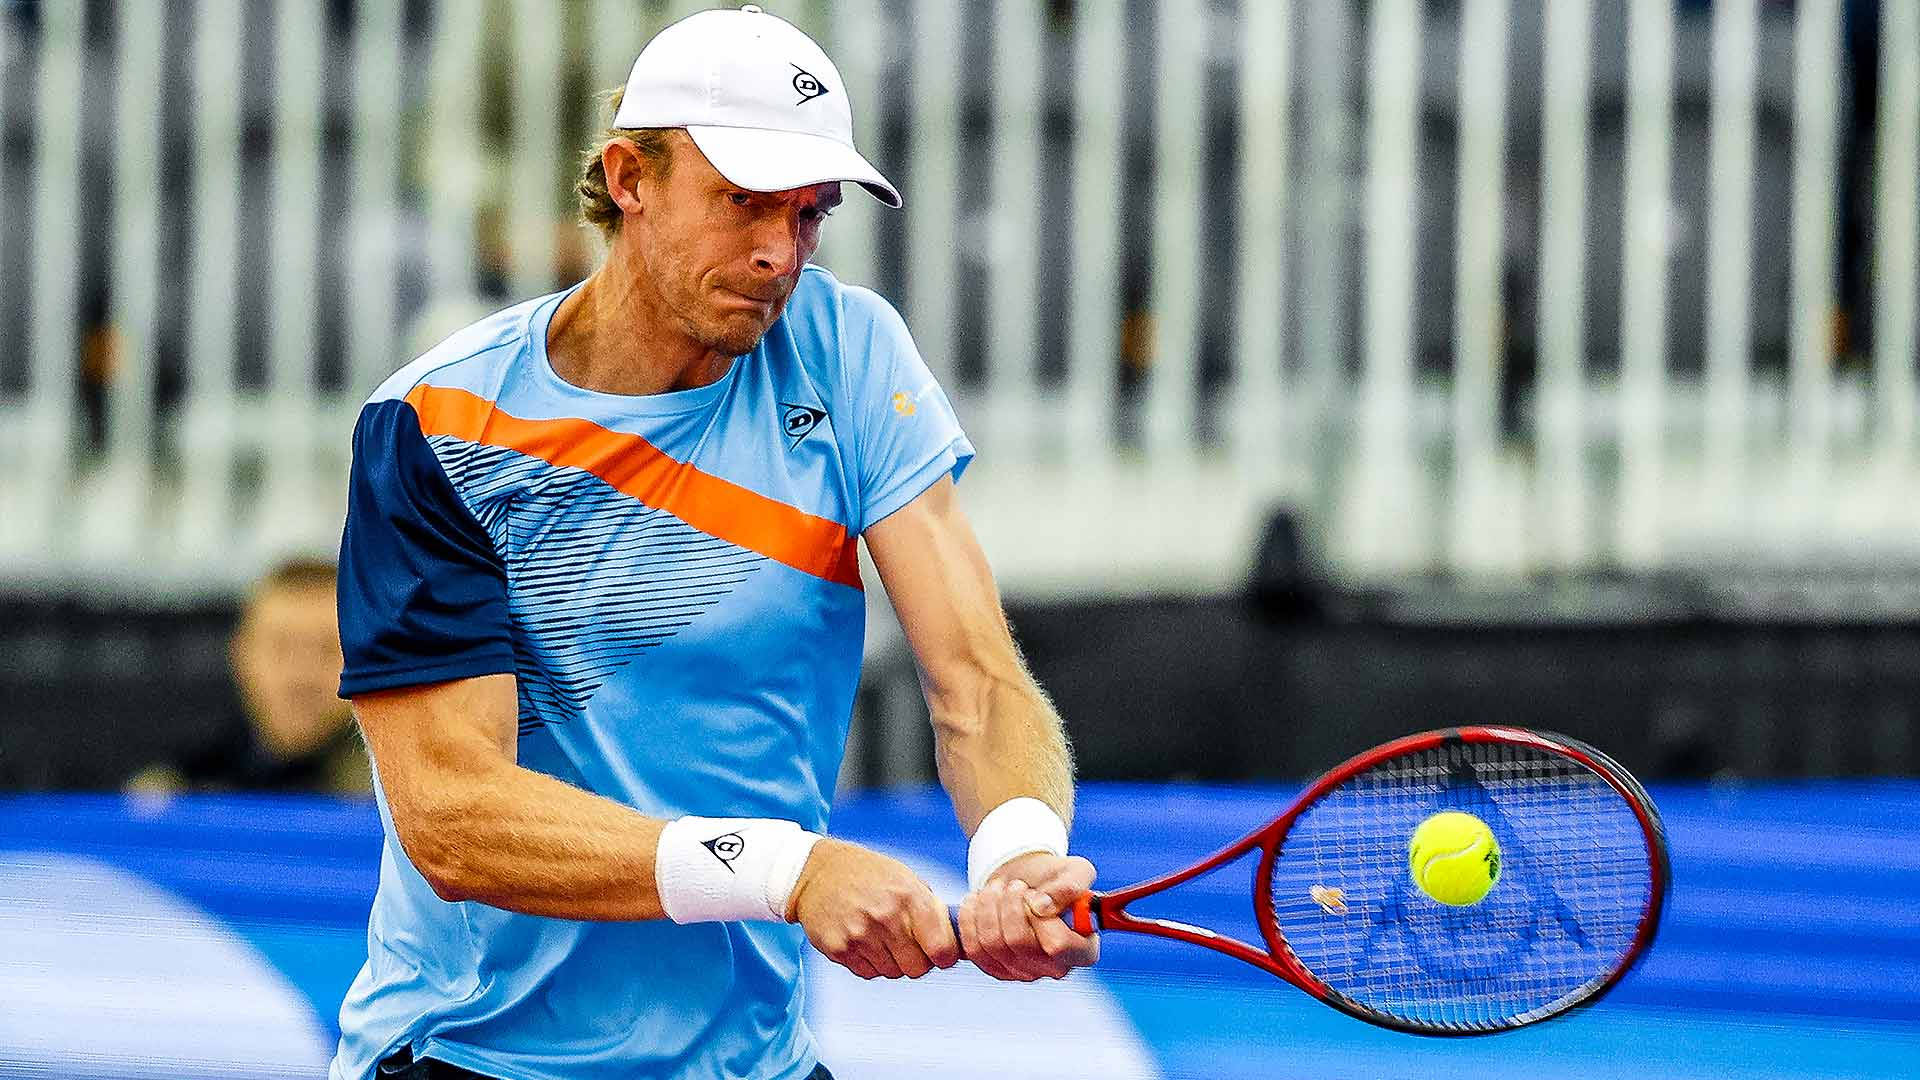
<point x="1205" y="689"/>
<point x="1673" y="681"/>
<point x="90" y="694"/>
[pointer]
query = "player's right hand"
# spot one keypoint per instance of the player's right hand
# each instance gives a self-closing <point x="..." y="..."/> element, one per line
<point x="870" y="914"/>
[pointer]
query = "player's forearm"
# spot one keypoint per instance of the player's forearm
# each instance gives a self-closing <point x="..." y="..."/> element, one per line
<point x="1000" y="739"/>
<point x="524" y="841"/>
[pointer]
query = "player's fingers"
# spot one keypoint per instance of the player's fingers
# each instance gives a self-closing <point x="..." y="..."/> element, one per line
<point x="967" y="923"/>
<point x="868" y="939"/>
<point x="907" y="954"/>
<point x="1023" y="954"/>
<point x="848" y="956"/>
<point x="933" y="930"/>
<point x="894" y="931"/>
<point x="874" y="950"/>
<point x="1060" y="943"/>
<point x="1056" y="893"/>
<point x="991" y="956"/>
<point x="979" y="937"/>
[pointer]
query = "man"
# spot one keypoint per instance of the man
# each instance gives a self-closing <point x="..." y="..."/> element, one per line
<point x="603" y="617"/>
<point x="289" y="732"/>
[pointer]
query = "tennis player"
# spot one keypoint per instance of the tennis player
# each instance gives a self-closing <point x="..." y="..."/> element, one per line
<point x="602" y="619"/>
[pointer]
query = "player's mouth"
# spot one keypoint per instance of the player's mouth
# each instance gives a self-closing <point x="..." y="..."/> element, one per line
<point x="764" y="303"/>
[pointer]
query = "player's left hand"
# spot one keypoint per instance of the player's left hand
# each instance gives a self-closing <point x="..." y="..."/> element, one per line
<point x="1011" y="929"/>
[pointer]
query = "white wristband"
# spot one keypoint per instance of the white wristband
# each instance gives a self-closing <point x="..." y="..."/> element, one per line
<point x="729" y="869"/>
<point x="1014" y="828"/>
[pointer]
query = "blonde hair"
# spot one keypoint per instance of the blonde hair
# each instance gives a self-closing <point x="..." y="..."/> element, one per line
<point x="597" y="207"/>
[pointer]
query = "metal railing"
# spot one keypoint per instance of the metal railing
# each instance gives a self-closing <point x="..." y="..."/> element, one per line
<point x="1520" y="287"/>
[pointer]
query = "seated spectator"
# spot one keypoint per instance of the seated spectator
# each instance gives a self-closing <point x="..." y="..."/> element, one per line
<point x="290" y="731"/>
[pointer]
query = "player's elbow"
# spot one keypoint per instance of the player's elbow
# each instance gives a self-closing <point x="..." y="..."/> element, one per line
<point x="439" y="835"/>
<point x="447" y="875"/>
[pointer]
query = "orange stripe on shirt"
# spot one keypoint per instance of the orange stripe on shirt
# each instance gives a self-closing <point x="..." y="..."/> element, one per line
<point x="631" y="464"/>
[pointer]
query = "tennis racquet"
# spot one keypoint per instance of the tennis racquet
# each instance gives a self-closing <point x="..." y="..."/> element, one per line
<point x="1583" y="876"/>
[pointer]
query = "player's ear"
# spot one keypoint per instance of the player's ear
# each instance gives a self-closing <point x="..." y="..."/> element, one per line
<point x="627" y="175"/>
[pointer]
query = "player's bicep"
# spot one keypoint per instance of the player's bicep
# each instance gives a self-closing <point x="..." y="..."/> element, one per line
<point x="423" y="737"/>
<point x="424" y="631"/>
<point x="435" y="748"/>
<point x="937" y="576"/>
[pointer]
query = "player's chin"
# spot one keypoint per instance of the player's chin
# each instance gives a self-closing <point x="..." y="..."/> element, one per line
<point x="739" y="332"/>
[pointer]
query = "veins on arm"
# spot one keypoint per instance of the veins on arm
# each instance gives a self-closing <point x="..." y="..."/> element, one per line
<point x="996" y="735"/>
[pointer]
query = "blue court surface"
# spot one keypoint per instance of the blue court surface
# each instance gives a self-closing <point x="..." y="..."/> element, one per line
<point x="215" y="937"/>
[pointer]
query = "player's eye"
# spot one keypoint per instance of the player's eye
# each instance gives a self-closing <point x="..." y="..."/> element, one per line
<point x="816" y="213"/>
<point x="739" y="198"/>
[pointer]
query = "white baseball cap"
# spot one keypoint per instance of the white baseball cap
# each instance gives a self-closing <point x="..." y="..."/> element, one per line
<point x="760" y="99"/>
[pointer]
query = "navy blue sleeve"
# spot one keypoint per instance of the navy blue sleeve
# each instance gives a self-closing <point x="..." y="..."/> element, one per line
<point x="423" y="594"/>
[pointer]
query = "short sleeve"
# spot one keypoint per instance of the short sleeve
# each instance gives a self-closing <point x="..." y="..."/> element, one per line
<point x="423" y="593"/>
<point x="908" y="434"/>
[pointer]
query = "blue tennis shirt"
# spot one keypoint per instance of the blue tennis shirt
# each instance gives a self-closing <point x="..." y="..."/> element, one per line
<point x="673" y="579"/>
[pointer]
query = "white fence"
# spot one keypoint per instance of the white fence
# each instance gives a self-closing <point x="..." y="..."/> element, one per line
<point x="1523" y="286"/>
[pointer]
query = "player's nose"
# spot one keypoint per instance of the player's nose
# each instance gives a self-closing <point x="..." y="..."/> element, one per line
<point x="776" y="248"/>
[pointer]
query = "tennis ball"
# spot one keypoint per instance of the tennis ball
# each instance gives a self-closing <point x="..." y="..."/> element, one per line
<point x="1454" y="858"/>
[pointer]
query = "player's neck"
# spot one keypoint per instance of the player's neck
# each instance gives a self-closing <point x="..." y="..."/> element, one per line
<point x="613" y="335"/>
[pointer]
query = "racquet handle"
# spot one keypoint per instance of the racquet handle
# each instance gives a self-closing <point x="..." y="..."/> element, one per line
<point x="1079" y="917"/>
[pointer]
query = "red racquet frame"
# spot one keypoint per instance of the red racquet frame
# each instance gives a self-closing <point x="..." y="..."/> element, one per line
<point x="1108" y="910"/>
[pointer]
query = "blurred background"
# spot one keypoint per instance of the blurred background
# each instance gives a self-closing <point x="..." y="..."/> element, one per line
<point x="1339" y="368"/>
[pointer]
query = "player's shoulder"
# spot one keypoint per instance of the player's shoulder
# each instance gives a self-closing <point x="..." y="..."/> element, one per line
<point x="851" y="320"/>
<point x="474" y="357"/>
<point x="822" y="297"/>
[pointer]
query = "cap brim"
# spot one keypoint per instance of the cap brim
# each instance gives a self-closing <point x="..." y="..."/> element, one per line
<point x="760" y="159"/>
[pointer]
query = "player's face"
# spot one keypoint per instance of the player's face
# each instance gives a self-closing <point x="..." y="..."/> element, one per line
<point x="724" y="260"/>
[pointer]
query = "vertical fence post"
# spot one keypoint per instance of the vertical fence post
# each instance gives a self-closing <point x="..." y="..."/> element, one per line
<point x="537" y="39"/>
<point x="207" y="433"/>
<point x="1729" y="288"/>
<point x="1896" y="266"/>
<point x="1256" y="417"/>
<point x="1012" y="381"/>
<point x="296" y="497"/>
<point x="935" y="168"/>
<point x="1093" y="316"/>
<point x="1172" y="388"/>
<point x="452" y="163"/>
<point x="1328" y="219"/>
<point x="618" y="30"/>
<point x="48" y="434"/>
<point x="1816" y="161"/>
<point x="1561" y="482"/>
<point x="857" y="47"/>
<point x="1387" y="530"/>
<point x="1646" y="223"/>
<point x="1479" y="254"/>
<point x="116" y="510"/>
<point x="373" y="211"/>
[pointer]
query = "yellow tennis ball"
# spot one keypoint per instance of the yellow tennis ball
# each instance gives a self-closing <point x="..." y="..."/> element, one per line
<point x="1454" y="858"/>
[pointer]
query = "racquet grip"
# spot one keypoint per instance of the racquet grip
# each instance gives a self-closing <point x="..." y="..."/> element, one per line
<point x="1079" y="917"/>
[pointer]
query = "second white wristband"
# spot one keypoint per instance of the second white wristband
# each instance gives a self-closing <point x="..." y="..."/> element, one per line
<point x="1016" y="827"/>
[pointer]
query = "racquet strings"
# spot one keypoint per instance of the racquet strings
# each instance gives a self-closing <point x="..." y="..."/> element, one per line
<point x="1576" y="879"/>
